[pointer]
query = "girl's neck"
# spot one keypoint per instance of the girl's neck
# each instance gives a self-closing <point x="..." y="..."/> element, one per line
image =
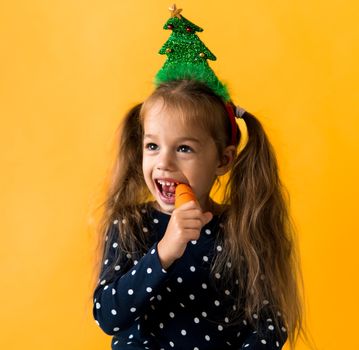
<point x="213" y="207"/>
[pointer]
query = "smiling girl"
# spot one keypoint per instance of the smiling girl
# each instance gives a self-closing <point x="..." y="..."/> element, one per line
<point x="206" y="275"/>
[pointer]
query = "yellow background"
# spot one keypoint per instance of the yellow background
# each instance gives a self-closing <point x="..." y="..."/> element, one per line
<point x="69" y="70"/>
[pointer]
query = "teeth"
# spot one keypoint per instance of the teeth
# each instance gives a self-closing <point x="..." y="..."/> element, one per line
<point x="167" y="183"/>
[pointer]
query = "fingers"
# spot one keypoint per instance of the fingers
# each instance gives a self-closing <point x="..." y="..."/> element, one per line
<point x="185" y="225"/>
<point x="188" y="205"/>
<point x="192" y="224"/>
<point x="192" y="215"/>
<point x="191" y="234"/>
<point x="207" y="217"/>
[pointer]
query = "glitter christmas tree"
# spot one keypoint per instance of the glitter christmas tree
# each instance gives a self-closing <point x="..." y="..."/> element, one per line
<point x="187" y="55"/>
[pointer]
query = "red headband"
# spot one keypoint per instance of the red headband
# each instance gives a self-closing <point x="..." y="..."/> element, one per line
<point x="233" y="114"/>
<point x="232" y="119"/>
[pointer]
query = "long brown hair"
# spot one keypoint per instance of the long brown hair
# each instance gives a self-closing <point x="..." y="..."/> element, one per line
<point x="259" y="240"/>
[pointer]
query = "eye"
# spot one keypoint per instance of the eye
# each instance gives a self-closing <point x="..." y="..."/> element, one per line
<point x="184" y="149"/>
<point x="151" y="146"/>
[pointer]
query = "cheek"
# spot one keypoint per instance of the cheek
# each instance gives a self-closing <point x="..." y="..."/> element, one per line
<point x="145" y="166"/>
<point x="207" y="171"/>
<point x="147" y="169"/>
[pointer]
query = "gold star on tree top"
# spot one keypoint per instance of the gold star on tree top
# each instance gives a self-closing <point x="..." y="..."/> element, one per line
<point x="175" y="12"/>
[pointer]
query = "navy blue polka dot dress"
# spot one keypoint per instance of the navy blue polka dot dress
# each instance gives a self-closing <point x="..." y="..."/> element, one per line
<point x="144" y="306"/>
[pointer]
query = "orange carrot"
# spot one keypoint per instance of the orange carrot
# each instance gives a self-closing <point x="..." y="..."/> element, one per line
<point x="184" y="194"/>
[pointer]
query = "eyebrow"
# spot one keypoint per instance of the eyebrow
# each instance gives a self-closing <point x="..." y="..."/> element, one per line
<point x="181" y="139"/>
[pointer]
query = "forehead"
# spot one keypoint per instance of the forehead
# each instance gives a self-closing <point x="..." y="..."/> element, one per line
<point x="157" y="116"/>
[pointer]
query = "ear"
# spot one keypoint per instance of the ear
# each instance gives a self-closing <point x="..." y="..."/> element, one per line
<point x="226" y="161"/>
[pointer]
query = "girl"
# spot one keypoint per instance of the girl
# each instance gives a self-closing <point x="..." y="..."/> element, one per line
<point x="206" y="275"/>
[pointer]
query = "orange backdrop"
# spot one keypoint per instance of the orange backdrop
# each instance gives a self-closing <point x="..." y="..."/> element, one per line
<point x="68" y="72"/>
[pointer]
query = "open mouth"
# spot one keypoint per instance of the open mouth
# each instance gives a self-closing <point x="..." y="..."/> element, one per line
<point x="167" y="190"/>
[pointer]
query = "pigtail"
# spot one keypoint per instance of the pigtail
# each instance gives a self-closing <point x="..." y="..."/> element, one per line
<point x="259" y="233"/>
<point x="125" y="191"/>
<point x="128" y="182"/>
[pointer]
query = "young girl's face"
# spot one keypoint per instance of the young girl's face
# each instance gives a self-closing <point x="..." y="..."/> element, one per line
<point x="173" y="153"/>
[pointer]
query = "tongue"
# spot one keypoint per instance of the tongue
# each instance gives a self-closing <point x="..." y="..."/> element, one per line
<point x="168" y="189"/>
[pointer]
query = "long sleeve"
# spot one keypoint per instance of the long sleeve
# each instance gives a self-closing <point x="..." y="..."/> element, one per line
<point x="126" y="288"/>
<point x="266" y="336"/>
<point x="144" y="306"/>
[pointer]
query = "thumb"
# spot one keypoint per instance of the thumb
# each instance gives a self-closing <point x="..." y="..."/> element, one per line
<point x="207" y="216"/>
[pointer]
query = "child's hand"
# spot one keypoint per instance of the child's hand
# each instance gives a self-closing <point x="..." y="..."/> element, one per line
<point x="185" y="225"/>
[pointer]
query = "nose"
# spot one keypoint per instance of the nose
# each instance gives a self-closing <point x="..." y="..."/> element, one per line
<point x="165" y="160"/>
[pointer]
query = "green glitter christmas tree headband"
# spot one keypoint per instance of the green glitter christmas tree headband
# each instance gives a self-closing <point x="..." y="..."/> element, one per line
<point x="187" y="55"/>
<point x="187" y="59"/>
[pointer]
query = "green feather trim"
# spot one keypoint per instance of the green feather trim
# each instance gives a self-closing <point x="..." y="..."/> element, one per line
<point x="193" y="71"/>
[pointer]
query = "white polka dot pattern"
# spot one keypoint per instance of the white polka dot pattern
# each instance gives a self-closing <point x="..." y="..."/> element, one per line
<point x="135" y="294"/>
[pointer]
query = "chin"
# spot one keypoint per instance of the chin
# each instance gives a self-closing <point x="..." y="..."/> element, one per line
<point x="165" y="208"/>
